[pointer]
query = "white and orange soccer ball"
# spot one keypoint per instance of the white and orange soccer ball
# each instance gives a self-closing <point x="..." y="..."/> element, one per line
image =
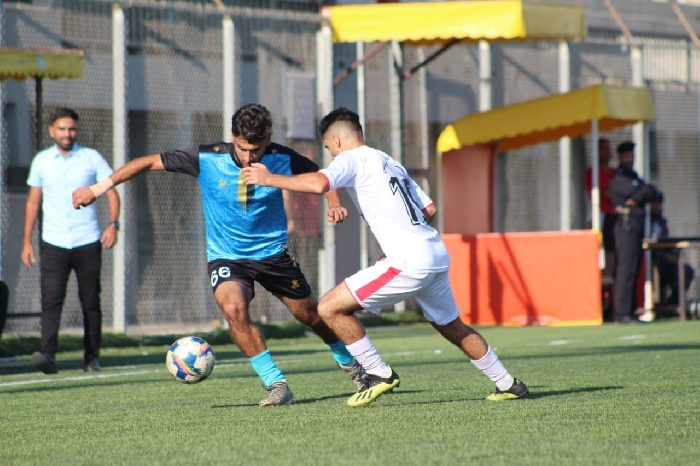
<point x="190" y="360"/>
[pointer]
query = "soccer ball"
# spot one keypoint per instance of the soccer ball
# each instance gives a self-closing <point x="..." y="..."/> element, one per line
<point x="190" y="360"/>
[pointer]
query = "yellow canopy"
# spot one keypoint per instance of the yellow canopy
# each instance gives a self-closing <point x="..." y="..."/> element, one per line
<point x="550" y="118"/>
<point x="20" y="64"/>
<point x="442" y="22"/>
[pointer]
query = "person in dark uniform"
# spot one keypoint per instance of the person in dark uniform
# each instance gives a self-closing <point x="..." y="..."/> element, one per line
<point x="629" y="194"/>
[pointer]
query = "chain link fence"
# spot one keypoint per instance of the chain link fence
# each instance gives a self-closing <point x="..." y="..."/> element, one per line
<point x="174" y="98"/>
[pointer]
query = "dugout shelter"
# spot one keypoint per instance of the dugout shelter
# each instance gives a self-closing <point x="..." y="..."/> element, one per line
<point x="545" y="278"/>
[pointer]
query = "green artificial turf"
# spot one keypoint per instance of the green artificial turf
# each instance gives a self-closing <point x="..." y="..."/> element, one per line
<point x="614" y="394"/>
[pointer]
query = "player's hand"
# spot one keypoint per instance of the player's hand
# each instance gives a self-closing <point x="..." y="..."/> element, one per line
<point x="27" y="255"/>
<point x="257" y="173"/>
<point x="336" y="214"/>
<point x="83" y="197"/>
<point x="109" y="237"/>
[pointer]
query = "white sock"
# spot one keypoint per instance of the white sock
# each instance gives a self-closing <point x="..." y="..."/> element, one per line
<point x="493" y="368"/>
<point x="366" y="354"/>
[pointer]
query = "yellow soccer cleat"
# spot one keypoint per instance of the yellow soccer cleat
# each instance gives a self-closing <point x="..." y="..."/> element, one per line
<point x="517" y="391"/>
<point x="378" y="386"/>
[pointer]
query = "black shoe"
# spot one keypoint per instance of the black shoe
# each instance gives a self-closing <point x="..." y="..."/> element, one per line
<point x="45" y="362"/>
<point x="92" y="364"/>
<point x="7" y="357"/>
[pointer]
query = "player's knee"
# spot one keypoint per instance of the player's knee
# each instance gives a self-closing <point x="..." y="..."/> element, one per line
<point x="235" y="315"/>
<point x="324" y="310"/>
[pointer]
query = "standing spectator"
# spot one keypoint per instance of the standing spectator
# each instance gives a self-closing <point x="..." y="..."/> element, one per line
<point x="416" y="263"/>
<point x="607" y="211"/>
<point x="629" y="194"/>
<point x="70" y="239"/>
<point x="666" y="260"/>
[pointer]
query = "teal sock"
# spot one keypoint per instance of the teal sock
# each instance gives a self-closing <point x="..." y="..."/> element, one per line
<point x="341" y="353"/>
<point x="266" y="368"/>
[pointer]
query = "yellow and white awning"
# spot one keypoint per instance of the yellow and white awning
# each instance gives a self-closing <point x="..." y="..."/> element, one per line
<point x="20" y="64"/>
<point x="550" y="118"/>
<point x="443" y="22"/>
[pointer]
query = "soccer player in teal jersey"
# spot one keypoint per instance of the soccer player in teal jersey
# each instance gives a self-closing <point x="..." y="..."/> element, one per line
<point x="246" y="231"/>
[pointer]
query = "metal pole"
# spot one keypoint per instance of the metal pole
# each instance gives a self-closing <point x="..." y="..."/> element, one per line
<point x="564" y="144"/>
<point x="324" y="91"/>
<point x="485" y="90"/>
<point x="119" y="122"/>
<point x="485" y="104"/>
<point x="641" y="165"/>
<point x="396" y="106"/>
<point x="362" y="112"/>
<point x="229" y="77"/>
<point x="423" y="114"/>
<point x="39" y="89"/>
<point x="396" y="99"/>
<point x="2" y="164"/>
<point x="595" y="178"/>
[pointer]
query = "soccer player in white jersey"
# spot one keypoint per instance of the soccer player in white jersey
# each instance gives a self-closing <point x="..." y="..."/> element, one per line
<point x="415" y="262"/>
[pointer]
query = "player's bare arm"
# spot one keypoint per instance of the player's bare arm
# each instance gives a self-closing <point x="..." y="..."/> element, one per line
<point x="87" y="195"/>
<point x="313" y="183"/>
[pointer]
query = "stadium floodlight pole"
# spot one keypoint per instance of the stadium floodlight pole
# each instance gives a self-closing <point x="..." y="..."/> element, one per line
<point x="119" y="121"/>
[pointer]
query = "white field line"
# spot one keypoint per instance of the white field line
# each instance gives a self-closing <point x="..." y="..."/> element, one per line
<point x="121" y="369"/>
<point x="127" y="371"/>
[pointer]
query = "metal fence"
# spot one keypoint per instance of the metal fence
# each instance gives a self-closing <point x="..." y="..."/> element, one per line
<point x="174" y="100"/>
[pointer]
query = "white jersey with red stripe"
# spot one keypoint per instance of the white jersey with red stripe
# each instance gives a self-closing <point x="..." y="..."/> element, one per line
<point x="391" y="203"/>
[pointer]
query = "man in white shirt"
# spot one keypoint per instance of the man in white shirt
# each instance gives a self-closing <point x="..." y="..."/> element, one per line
<point x="416" y="264"/>
<point x="70" y="239"/>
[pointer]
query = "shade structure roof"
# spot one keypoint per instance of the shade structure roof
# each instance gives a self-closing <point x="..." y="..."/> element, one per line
<point x="550" y="118"/>
<point x="21" y="64"/>
<point x="443" y="22"/>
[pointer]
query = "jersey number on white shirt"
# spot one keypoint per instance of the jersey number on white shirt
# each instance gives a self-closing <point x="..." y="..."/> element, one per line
<point x="408" y="201"/>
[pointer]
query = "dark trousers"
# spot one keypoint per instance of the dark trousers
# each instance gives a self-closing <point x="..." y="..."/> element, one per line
<point x="56" y="265"/>
<point x="609" y="232"/>
<point x="628" y="256"/>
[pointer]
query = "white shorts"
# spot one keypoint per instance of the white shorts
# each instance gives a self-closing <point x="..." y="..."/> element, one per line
<point x="383" y="285"/>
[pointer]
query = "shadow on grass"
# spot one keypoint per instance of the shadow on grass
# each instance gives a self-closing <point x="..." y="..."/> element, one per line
<point x="547" y="393"/>
<point x="297" y="402"/>
<point x="152" y="357"/>
<point x="608" y="350"/>
<point x="304" y="401"/>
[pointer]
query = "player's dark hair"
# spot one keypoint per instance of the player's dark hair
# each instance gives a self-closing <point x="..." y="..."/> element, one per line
<point x="252" y="122"/>
<point x="340" y="115"/>
<point x="63" y="112"/>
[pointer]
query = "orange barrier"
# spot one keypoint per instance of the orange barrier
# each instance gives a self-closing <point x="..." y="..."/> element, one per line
<point x="549" y="278"/>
